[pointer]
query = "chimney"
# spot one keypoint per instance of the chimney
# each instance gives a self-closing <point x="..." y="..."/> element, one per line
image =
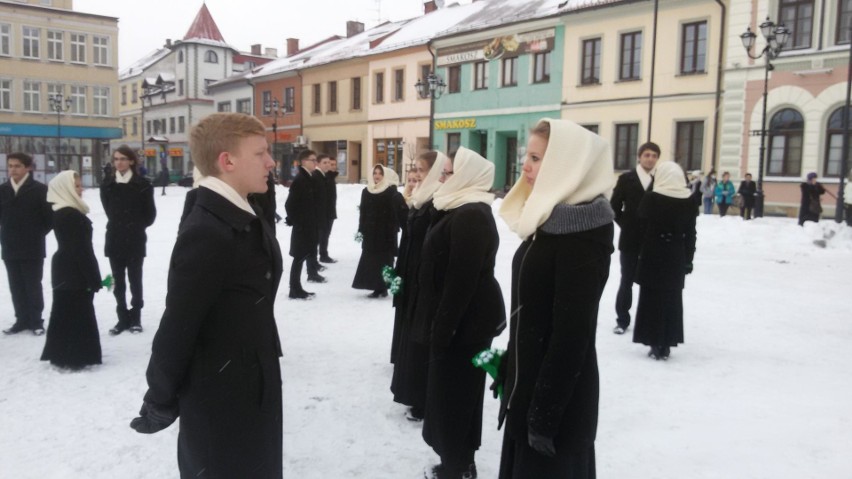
<point x="292" y="46"/>
<point x="255" y="49"/>
<point x="271" y="52"/>
<point x="353" y="28"/>
<point x="168" y="42"/>
<point x="429" y="7"/>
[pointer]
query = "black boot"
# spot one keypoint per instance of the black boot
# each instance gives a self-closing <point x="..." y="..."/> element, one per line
<point x="123" y="323"/>
<point x="15" y="329"/>
<point x="300" y="294"/>
<point x="655" y="353"/>
<point x="135" y="320"/>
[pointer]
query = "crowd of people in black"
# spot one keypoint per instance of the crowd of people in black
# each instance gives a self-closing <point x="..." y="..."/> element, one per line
<point x="221" y="378"/>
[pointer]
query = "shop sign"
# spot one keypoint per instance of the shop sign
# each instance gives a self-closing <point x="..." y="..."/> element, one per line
<point x="460" y="124"/>
<point x="150" y="152"/>
<point x="175" y="151"/>
<point x="508" y="45"/>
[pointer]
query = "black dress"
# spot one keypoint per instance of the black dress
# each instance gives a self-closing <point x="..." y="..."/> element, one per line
<point x="72" y="334"/>
<point x="379" y="225"/>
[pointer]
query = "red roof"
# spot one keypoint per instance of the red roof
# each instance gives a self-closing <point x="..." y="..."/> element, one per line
<point x="204" y="27"/>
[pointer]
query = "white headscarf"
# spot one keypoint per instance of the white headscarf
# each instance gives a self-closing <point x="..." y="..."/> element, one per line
<point x="576" y="168"/>
<point x="471" y="181"/>
<point x="670" y="181"/>
<point x="423" y="193"/>
<point x="390" y="178"/>
<point x="62" y="192"/>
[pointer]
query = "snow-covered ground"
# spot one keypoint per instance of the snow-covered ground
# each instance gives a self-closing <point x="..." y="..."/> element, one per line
<point x="761" y="389"/>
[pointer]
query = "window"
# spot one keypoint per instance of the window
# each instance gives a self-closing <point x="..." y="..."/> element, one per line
<point x="211" y="57"/>
<point x="78" y="48"/>
<point x="317" y="99"/>
<point x="181" y="124"/>
<point x="135" y="126"/>
<point x="453" y="142"/>
<point x="689" y="144"/>
<point x="844" y="19"/>
<point x="100" y="50"/>
<point x="31" y="42"/>
<point x="380" y="87"/>
<point x="626" y="138"/>
<point x="124" y="127"/>
<point x="480" y="75"/>
<point x="100" y="101"/>
<point x="356" y="93"/>
<point x="332" y="96"/>
<point x="693" y="48"/>
<point x="32" y="96"/>
<point x="172" y="121"/>
<point x="266" y="102"/>
<point x="5" y="39"/>
<point x="5" y="94"/>
<point x="148" y="127"/>
<point x="243" y="106"/>
<point x="591" y="67"/>
<point x="593" y="128"/>
<point x="180" y="56"/>
<point x="54" y="89"/>
<point x="134" y="93"/>
<point x="541" y="67"/>
<point x="78" y="100"/>
<point x="834" y="143"/>
<point x="510" y="71"/>
<point x="123" y="94"/>
<point x="454" y="79"/>
<point x="798" y="17"/>
<point x="289" y="99"/>
<point x="425" y="70"/>
<point x="224" y="106"/>
<point x="54" y="45"/>
<point x="399" y="85"/>
<point x="180" y="87"/>
<point x="785" y="143"/>
<point x="631" y="56"/>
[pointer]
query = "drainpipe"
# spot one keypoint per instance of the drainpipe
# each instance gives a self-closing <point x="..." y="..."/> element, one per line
<point x="821" y="23"/>
<point x="653" y="66"/>
<point x="431" y="98"/>
<point x="719" y="72"/>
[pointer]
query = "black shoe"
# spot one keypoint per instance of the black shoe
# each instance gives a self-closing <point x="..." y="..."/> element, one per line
<point x="328" y="259"/>
<point x="38" y="331"/>
<point x="378" y="294"/>
<point x="664" y="352"/>
<point x="321" y="268"/>
<point x="135" y="329"/>
<point x="119" y="328"/>
<point x="414" y="414"/>
<point x="619" y="329"/>
<point x="317" y="278"/>
<point x="655" y="353"/>
<point x="15" y="329"/>
<point x="300" y="294"/>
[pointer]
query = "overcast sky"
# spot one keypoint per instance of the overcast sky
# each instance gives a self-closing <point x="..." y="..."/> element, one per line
<point x="145" y="26"/>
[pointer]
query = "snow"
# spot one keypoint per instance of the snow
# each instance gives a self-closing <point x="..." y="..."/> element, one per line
<point x="760" y="389"/>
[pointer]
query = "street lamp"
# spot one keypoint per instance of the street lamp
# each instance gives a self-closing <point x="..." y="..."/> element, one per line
<point x="776" y="37"/>
<point x="273" y="106"/>
<point x="844" y="158"/>
<point x="431" y="87"/>
<point x="60" y="105"/>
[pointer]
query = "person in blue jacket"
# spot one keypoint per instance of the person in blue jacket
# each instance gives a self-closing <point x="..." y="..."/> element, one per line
<point x="725" y="192"/>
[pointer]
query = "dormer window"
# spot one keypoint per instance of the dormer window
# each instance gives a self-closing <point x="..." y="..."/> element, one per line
<point x="211" y="57"/>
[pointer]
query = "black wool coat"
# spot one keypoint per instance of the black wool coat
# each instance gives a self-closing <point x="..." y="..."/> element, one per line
<point x="302" y="215"/>
<point x="74" y="266"/>
<point x="130" y="210"/>
<point x="625" y="201"/>
<point x="266" y="201"/>
<point x="551" y="376"/>
<point x="25" y="219"/>
<point x="320" y="196"/>
<point x="810" y="195"/>
<point x="668" y="241"/>
<point x="215" y="356"/>
<point x="459" y="300"/>
<point x="747" y="190"/>
<point x="331" y="194"/>
<point x="378" y="221"/>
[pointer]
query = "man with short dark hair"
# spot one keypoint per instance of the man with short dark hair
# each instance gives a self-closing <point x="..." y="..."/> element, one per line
<point x="25" y="219"/>
<point x="626" y="196"/>
<point x="302" y="216"/>
<point x="329" y="167"/>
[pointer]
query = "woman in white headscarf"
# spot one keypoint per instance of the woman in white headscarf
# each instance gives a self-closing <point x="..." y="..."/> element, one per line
<point x="378" y="225"/>
<point x="72" y="335"/>
<point x="459" y="310"/>
<point x="410" y="357"/>
<point x="560" y="208"/>
<point x="667" y="221"/>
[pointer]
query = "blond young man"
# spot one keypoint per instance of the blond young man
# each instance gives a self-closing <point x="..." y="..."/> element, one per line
<point x="215" y="358"/>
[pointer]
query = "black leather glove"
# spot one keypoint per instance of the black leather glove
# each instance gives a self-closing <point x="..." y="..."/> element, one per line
<point x="688" y="268"/>
<point x="543" y="445"/>
<point x="153" y="418"/>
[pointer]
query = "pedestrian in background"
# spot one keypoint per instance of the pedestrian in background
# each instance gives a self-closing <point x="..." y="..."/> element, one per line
<point x="667" y="217"/>
<point x="378" y="223"/>
<point x="810" y="208"/>
<point x="459" y="310"/>
<point x="708" y="191"/>
<point x="25" y="220"/>
<point x="72" y="340"/>
<point x="724" y="194"/>
<point x="747" y="190"/>
<point x="128" y="201"/>
<point x="301" y="215"/>
<point x="550" y="384"/>
<point x="320" y="187"/>
<point x="329" y="167"/>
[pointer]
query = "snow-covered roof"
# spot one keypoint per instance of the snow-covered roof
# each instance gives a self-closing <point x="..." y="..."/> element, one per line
<point x="166" y="77"/>
<point x="143" y="64"/>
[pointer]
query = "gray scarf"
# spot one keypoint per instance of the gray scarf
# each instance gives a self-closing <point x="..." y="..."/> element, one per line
<point x="567" y="219"/>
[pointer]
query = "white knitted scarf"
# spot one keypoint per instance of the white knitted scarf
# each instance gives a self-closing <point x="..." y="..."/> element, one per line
<point x="470" y="182"/>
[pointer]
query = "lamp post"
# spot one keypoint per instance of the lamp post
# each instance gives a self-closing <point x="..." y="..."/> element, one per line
<point x="274" y="106"/>
<point x="59" y="104"/>
<point x="776" y="37"/>
<point x="844" y="156"/>
<point x="431" y="87"/>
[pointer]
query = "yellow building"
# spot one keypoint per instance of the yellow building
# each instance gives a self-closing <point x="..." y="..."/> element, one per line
<point x="58" y="86"/>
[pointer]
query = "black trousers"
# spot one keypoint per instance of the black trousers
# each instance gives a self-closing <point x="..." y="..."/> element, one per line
<point x="723" y="209"/>
<point x="624" y="298"/>
<point x="133" y="268"/>
<point x="296" y="269"/>
<point x="25" y="285"/>
<point x="325" y="233"/>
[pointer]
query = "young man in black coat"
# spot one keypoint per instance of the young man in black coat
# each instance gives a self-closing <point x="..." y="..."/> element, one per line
<point x="25" y="219"/>
<point x="747" y="190"/>
<point x="626" y="196"/>
<point x="302" y="216"/>
<point x="320" y="200"/>
<point x="215" y="358"/>
<point x="329" y="168"/>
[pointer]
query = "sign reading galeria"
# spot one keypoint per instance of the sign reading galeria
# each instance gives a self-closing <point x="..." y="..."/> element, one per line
<point x="498" y="47"/>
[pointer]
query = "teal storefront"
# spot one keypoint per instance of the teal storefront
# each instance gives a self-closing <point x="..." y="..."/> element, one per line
<point x="496" y="91"/>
